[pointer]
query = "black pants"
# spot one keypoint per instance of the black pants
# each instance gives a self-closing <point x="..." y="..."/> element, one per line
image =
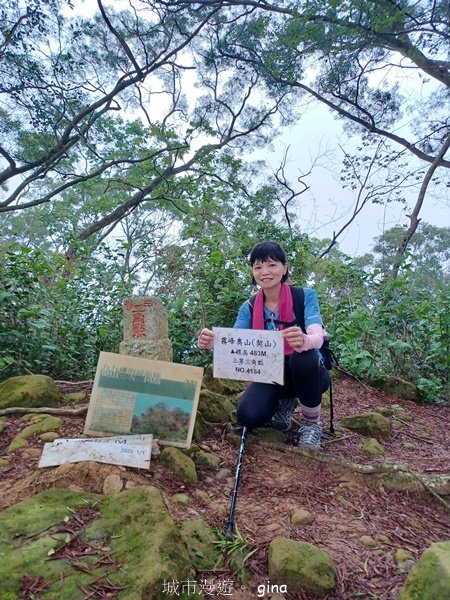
<point x="305" y="377"/>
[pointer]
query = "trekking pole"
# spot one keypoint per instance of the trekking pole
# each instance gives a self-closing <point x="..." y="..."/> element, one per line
<point x="237" y="476"/>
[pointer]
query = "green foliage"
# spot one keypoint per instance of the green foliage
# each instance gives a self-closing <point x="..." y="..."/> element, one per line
<point x="385" y="326"/>
<point x="52" y="321"/>
<point x="239" y="543"/>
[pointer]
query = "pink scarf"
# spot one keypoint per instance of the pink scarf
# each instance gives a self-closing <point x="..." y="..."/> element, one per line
<point x="285" y="311"/>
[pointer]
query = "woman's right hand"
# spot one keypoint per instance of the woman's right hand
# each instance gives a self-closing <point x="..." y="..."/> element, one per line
<point x="206" y="339"/>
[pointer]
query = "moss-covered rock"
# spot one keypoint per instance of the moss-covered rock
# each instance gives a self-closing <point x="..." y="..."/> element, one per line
<point x="29" y="391"/>
<point x="301" y="566"/>
<point x="199" y="540"/>
<point x="227" y="387"/>
<point x="302" y="517"/>
<point x="199" y="430"/>
<point x="49" y="436"/>
<point x="207" y="459"/>
<point x="404" y="560"/>
<point x="75" y="397"/>
<point x="370" y="424"/>
<point x="137" y="519"/>
<point x="179" y="463"/>
<point x="270" y="435"/>
<point x="368" y="541"/>
<point x="398" y="387"/>
<point x="2" y="425"/>
<point x="238" y="561"/>
<point x="372" y="447"/>
<point x="429" y="578"/>
<point x="409" y="446"/>
<point x="182" y="499"/>
<point x="48" y="423"/>
<point x="4" y="462"/>
<point x="213" y="407"/>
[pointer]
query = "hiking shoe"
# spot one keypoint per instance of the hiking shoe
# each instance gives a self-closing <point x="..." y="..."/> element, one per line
<point x="281" y="420"/>
<point x="309" y="435"/>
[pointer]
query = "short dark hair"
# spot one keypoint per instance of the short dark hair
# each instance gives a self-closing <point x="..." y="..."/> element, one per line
<point x="269" y="250"/>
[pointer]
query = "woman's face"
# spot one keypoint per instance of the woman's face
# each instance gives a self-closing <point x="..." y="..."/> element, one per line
<point x="268" y="273"/>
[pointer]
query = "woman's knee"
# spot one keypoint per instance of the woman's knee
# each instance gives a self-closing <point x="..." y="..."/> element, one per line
<point x="255" y="409"/>
<point x="306" y="363"/>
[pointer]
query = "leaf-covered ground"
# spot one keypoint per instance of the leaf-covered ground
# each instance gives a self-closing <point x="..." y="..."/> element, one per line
<point x="345" y="504"/>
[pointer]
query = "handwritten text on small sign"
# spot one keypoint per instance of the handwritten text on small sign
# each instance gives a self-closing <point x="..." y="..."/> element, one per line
<point x="130" y="451"/>
<point x="248" y="355"/>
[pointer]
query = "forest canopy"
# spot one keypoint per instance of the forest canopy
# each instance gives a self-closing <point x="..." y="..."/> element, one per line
<point x="125" y="138"/>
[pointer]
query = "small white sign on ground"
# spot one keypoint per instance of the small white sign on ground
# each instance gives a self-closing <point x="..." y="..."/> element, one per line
<point x="129" y="451"/>
<point x="248" y="355"/>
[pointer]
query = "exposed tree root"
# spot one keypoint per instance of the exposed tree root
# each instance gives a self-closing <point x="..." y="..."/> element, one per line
<point x="22" y="410"/>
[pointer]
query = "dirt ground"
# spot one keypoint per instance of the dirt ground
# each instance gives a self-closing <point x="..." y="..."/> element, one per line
<point x="346" y="505"/>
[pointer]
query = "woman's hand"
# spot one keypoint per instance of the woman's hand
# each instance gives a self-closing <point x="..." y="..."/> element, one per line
<point x="294" y="337"/>
<point x="206" y="339"/>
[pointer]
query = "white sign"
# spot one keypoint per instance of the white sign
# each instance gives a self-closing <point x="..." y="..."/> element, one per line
<point x="248" y="355"/>
<point x="130" y="451"/>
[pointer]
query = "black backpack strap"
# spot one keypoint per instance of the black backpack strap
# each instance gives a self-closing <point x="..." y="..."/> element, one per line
<point x="298" y="299"/>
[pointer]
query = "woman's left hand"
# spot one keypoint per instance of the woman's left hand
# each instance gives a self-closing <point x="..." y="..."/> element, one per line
<point x="294" y="337"/>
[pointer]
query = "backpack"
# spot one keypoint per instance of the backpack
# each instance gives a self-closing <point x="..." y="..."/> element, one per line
<point x="328" y="357"/>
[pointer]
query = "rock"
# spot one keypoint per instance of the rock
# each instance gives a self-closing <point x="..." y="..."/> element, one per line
<point x="212" y="407"/>
<point x="147" y="543"/>
<point x="221" y="386"/>
<point x="4" y="462"/>
<point x="372" y="447"/>
<point x="404" y="560"/>
<point x="409" y="446"/>
<point x="368" y="541"/>
<point x="113" y="484"/>
<point x="207" y="459"/>
<point x="223" y="474"/>
<point x="238" y="559"/>
<point x="429" y="578"/>
<point x="199" y="430"/>
<point x="369" y="424"/>
<point x="31" y="391"/>
<point x="199" y="539"/>
<point x="384" y="539"/>
<point x="145" y="329"/>
<point x="204" y="496"/>
<point x="156" y="450"/>
<point x="302" y="517"/>
<point x="270" y="435"/>
<point x="386" y="411"/>
<point x="398" y="387"/>
<point x="49" y="436"/>
<point x="46" y="423"/>
<point x="75" y="397"/>
<point x="2" y="425"/>
<point x="179" y="463"/>
<point x="130" y="485"/>
<point x="301" y="566"/>
<point x="181" y="499"/>
<point x="32" y="452"/>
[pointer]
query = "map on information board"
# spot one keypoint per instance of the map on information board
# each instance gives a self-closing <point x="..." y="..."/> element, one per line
<point x="133" y="395"/>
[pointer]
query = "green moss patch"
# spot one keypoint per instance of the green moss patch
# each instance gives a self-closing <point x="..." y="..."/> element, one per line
<point x="301" y="566"/>
<point x="48" y="423"/>
<point x="429" y="579"/>
<point x="29" y="390"/>
<point x="179" y="463"/>
<point x="370" y="424"/>
<point x="133" y="528"/>
<point x="75" y="397"/>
